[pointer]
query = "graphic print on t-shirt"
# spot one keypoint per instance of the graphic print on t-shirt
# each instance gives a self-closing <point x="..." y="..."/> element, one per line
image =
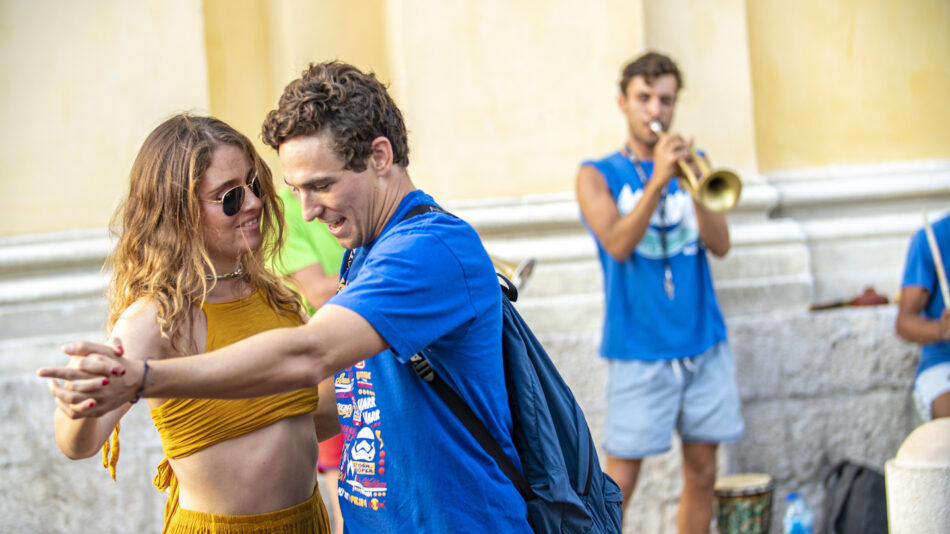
<point x="682" y="232"/>
<point x="363" y="466"/>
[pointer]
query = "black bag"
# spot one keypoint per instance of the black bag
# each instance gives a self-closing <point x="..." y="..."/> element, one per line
<point x="855" y="501"/>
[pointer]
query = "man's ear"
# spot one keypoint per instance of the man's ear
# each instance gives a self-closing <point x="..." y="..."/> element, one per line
<point x="381" y="157"/>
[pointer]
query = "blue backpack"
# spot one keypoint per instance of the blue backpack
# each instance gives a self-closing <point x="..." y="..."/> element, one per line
<point x="562" y="483"/>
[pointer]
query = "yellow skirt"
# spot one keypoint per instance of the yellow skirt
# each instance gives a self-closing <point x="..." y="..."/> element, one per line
<point x="308" y="517"/>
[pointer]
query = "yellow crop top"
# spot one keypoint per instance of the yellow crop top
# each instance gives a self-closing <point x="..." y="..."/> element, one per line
<point x="187" y="426"/>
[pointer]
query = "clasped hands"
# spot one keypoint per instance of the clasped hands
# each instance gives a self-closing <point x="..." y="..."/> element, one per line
<point x="97" y="379"/>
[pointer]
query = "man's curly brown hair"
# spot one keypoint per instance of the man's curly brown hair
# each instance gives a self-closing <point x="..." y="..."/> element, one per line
<point x="651" y="66"/>
<point x="338" y="99"/>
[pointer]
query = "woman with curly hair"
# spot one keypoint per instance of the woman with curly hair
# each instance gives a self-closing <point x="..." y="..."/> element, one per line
<point x="189" y="275"/>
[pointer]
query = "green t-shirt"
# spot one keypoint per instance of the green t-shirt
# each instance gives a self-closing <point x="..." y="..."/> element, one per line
<point x="305" y="242"/>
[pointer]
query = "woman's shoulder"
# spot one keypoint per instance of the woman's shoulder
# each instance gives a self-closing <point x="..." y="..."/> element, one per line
<point x="140" y="324"/>
<point x="141" y="315"/>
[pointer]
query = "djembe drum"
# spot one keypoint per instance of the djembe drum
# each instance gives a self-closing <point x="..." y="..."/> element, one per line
<point x="744" y="503"/>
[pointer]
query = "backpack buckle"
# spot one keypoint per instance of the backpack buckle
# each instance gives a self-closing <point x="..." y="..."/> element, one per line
<point x="422" y="367"/>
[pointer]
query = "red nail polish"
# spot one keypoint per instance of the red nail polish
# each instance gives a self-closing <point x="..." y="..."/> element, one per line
<point x="105" y="381"/>
<point x="92" y="403"/>
<point x="115" y="370"/>
<point x="121" y="372"/>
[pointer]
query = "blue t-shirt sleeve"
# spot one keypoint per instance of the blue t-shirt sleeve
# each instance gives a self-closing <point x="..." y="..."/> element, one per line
<point x="919" y="269"/>
<point x="412" y="290"/>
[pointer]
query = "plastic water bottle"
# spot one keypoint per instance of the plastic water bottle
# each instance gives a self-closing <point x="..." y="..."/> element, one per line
<point x="798" y="517"/>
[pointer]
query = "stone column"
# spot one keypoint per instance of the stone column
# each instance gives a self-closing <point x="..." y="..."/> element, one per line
<point x="918" y="481"/>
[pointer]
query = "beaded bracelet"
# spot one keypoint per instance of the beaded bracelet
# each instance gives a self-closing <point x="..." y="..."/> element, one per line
<point x="141" y="391"/>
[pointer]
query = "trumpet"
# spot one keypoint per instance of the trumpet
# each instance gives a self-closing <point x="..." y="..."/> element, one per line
<point x="716" y="190"/>
<point x="518" y="273"/>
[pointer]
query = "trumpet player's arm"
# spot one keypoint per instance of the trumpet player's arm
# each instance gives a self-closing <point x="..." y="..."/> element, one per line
<point x="275" y="361"/>
<point x="713" y="229"/>
<point x="913" y="326"/>
<point x="618" y="234"/>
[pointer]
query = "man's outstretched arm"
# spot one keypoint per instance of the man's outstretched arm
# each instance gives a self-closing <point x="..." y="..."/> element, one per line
<point x="275" y="361"/>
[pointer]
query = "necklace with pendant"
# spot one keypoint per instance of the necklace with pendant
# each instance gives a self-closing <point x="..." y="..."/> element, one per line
<point x="233" y="274"/>
<point x="668" y="286"/>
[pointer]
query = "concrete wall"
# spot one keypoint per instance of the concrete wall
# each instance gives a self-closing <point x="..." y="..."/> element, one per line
<point x="816" y="387"/>
<point x="840" y="136"/>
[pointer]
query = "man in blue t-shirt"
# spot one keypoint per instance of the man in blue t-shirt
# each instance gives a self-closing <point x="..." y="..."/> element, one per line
<point x="669" y="364"/>
<point x="923" y="318"/>
<point x="407" y="285"/>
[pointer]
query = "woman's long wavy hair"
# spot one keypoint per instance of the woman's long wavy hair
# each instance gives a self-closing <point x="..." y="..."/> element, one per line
<point x="161" y="254"/>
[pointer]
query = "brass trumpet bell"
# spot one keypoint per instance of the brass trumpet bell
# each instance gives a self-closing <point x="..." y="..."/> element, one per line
<point x="716" y="190"/>
<point x="518" y="273"/>
<point x="719" y="190"/>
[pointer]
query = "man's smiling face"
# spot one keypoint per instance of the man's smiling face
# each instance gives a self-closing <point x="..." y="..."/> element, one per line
<point x="348" y="202"/>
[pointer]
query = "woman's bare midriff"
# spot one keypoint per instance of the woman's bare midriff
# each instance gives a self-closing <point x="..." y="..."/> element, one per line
<point x="266" y="470"/>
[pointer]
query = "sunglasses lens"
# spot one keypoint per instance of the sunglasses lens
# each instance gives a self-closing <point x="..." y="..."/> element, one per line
<point x="257" y="188"/>
<point x="232" y="201"/>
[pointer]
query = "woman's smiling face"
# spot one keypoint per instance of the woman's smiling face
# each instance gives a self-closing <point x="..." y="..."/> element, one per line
<point x="227" y="237"/>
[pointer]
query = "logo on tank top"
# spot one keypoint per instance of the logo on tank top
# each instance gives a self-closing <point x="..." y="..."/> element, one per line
<point x="682" y="232"/>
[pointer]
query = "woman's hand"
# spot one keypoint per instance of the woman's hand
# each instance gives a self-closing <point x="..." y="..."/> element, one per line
<point x="97" y="379"/>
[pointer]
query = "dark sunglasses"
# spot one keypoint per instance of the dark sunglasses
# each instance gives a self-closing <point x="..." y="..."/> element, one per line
<point x="232" y="199"/>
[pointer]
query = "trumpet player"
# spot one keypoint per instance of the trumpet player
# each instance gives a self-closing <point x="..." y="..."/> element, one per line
<point x="669" y="362"/>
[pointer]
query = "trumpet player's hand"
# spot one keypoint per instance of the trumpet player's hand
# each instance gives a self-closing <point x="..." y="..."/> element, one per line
<point x="690" y="160"/>
<point x="668" y="151"/>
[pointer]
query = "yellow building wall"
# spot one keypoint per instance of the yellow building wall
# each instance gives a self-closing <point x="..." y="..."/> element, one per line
<point x="501" y="98"/>
<point x="256" y="47"/>
<point x="238" y="43"/>
<point x="850" y="81"/>
<point x="83" y="84"/>
<point x="708" y="41"/>
<point x="506" y="98"/>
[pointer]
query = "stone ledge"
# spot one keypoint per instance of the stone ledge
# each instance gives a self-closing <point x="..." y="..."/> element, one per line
<point x="873" y="188"/>
<point x="52" y="251"/>
<point x="24" y="355"/>
<point x="52" y="317"/>
<point x="854" y="228"/>
<point x="559" y="211"/>
<point x="54" y="287"/>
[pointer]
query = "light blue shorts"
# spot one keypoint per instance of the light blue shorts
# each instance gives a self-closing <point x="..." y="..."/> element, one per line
<point x="647" y="400"/>
<point x="929" y="385"/>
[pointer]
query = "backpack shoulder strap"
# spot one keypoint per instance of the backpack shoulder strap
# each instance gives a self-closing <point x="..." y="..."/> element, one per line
<point x="472" y="423"/>
<point x="419" y="209"/>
